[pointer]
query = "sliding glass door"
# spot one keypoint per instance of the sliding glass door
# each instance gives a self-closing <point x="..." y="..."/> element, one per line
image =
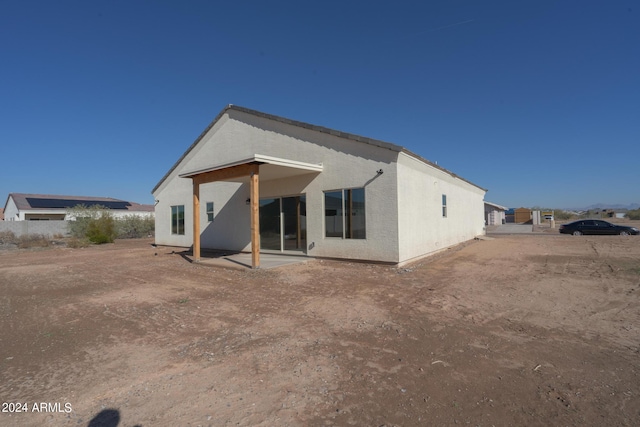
<point x="270" y="235"/>
<point x="283" y="223"/>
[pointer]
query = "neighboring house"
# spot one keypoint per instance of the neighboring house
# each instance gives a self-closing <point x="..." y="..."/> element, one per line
<point x="494" y="214"/>
<point x="259" y="182"/>
<point x="39" y="207"/>
<point x="1" y="214"/>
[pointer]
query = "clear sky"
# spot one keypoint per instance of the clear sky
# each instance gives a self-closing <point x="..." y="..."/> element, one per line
<point x="537" y="101"/>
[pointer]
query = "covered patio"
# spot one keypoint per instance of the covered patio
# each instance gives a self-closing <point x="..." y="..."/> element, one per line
<point x="256" y="167"/>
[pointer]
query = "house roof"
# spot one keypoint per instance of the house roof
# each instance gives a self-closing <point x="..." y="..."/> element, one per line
<point x="26" y="201"/>
<point x="316" y="128"/>
<point x="502" y="208"/>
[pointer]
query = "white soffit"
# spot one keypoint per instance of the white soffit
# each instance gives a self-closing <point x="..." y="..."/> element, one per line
<point x="270" y="167"/>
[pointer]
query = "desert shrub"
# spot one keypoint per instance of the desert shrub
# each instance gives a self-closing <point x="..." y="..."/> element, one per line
<point x="102" y="229"/>
<point x="134" y="226"/>
<point x="8" y="237"/>
<point x="562" y="215"/>
<point x="82" y="216"/>
<point x="99" y="226"/>
<point x="634" y="214"/>
<point x="78" y="227"/>
<point x="76" y="243"/>
<point x="33" y="241"/>
<point x="94" y="223"/>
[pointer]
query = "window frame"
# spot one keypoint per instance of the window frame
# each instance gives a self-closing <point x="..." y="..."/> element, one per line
<point x="209" y="212"/>
<point x="444" y="206"/>
<point x="177" y="220"/>
<point x="346" y="213"/>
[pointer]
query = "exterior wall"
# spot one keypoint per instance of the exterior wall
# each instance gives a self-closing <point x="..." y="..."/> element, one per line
<point x="231" y="226"/>
<point x="117" y="213"/>
<point x="36" y="216"/>
<point x="11" y="212"/>
<point x="347" y="164"/>
<point x="178" y="192"/>
<point x="47" y="228"/>
<point x="493" y="215"/>
<point x="422" y="228"/>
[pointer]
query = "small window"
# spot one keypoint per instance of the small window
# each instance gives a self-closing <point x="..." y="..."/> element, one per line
<point x="177" y="219"/>
<point x="444" y="205"/>
<point x="344" y="214"/>
<point x="210" y="211"/>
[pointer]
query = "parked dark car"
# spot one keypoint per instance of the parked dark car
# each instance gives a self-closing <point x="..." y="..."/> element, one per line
<point x="596" y="226"/>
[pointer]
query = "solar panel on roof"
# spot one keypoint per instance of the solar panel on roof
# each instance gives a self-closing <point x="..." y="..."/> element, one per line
<point x="39" y="203"/>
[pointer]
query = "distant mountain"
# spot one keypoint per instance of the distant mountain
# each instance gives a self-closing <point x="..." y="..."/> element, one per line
<point x="601" y="206"/>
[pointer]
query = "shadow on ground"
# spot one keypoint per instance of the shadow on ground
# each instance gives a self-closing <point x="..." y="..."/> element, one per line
<point x="107" y="418"/>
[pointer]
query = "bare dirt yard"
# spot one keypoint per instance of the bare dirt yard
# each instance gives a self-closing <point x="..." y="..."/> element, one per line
<point x="534" y="330"/>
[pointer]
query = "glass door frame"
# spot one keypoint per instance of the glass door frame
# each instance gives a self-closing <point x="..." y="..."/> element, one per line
<point x="300" y="233"/>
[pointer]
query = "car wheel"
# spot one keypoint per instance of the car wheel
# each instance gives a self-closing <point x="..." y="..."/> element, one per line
<point x="577" y="233"/>
<point x="624" y="233"/>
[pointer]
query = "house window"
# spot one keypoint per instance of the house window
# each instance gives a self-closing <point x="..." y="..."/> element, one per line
<point x="444" y="205"/>
<point x="344" y="213"/>
<point x="177" y="219"/>
<point x="210" y="211"/>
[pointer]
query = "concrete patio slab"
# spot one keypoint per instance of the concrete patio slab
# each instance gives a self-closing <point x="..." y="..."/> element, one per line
<point x="242" y="261"/>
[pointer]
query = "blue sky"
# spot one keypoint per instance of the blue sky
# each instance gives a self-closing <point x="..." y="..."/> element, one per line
<point x="537" y="101"/>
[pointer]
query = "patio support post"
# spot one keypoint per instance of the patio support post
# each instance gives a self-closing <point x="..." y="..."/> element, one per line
<point x="255" y="217"/>
<point x="196" y="219"/>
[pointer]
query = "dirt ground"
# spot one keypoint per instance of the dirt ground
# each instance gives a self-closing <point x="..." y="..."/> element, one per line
<point x="534" y="330"/>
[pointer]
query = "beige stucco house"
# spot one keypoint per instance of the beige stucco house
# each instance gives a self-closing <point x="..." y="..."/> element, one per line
<point x="262" y="183"/>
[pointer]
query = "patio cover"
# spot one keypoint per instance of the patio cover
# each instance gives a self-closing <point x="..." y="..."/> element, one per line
<point x="270" y="168"/>
<point x="253" y="167"/>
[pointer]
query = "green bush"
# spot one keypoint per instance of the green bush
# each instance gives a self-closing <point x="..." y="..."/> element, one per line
<point x="134" y="226"/>
<point x="94" y="223"/>
<point x="82" y="216"/>
<point x="102" y="229"/>
<point x="634" y="214"/>
<point x="562" y="215"/>
<point x="98" y="225"/>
